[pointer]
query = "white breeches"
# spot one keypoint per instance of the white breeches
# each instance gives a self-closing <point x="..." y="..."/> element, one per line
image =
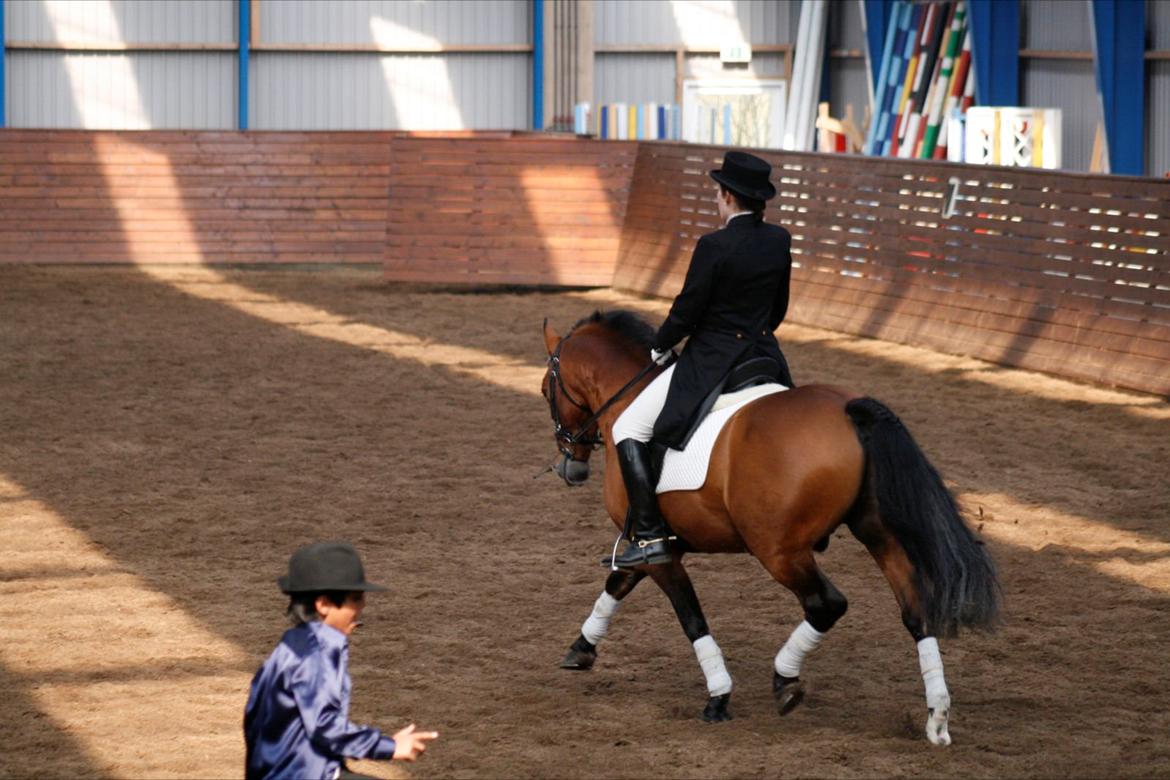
<point x="637" y="421"/>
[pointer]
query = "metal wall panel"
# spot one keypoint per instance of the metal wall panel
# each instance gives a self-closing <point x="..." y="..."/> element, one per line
<point x="121" y="90"/>
<point x="633" y="78"/>
<point x="1056" y="25"/>
<point x="848" y="86"/>
<point x="1158" y="118"/>
<point x="695" y="24"/>
<point x="116" y="21"/>
<point x="1069" y="85"/>
<point x="402" y="23"/>
<point x="1158" y="24"/>
<point x="389" y="92"/>
<point x="845" y="30"/>
<point x="707" y="66"/>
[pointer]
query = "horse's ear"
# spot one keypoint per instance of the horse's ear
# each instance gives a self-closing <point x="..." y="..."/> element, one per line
<point x="551" y="339"/>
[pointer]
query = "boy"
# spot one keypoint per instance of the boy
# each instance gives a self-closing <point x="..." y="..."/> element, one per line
<point x="296" y="724"/>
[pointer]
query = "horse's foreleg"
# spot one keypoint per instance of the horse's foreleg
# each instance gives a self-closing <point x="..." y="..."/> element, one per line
<point x="823" y="606"/>
<point x="583" y="652"/>
<point x="676" y="584"/>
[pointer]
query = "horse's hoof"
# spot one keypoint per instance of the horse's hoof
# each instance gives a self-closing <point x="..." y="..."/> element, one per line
<point x="788" y="692"/>
<point x="716" y="709"/>
<point x="581" y="655"/>
<point x="936" y="727"/>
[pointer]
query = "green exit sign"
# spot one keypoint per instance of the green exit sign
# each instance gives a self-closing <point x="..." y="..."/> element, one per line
<point x="735" y="52"/>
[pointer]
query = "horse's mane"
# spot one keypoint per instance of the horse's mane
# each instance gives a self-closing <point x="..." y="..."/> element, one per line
<point x="625" y="323"/>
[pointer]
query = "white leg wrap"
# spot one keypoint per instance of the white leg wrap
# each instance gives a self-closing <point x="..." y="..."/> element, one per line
<point x="711" y="659"/>
<point x="931" y="664"/>
<point x="597" y="624"/>
<point x="803" y="641"/>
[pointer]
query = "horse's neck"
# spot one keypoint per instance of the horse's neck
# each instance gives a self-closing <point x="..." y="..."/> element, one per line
<point x="608" y="382"/>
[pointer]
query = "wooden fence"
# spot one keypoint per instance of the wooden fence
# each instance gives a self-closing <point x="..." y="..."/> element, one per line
<point x="1063" y="273"/>
<point x="182" y="197"/>
<point x="476" y="208"/>
<point x="525" y="210"/>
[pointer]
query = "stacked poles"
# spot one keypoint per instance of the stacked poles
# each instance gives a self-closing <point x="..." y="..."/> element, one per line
<point x="925" y="74"/>
<point x="800" y="117"/>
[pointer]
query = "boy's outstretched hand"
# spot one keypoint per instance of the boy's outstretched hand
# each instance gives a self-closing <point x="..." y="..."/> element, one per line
<point x="408" y="743"/>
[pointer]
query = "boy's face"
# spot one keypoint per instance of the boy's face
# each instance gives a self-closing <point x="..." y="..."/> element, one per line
<point x="345" y="617"/>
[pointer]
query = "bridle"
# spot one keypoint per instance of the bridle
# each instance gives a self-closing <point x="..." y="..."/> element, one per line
<point x="566" y="440"/>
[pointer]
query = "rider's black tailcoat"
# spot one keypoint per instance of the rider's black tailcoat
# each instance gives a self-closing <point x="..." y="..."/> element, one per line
<point x="734" y="296"/>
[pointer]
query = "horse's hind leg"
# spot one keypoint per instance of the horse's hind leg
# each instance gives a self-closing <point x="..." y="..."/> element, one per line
<point x="823" y="606"/>
<point x="899" y="572"/>
<point x="676" y="584"/>
<point x="583" y="652"/>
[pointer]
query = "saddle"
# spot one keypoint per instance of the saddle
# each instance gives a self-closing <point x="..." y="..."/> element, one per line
<point x="749" y="373"/>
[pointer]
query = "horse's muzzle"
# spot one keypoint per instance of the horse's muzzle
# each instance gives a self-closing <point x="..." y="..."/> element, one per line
<point x="573" y="472"/>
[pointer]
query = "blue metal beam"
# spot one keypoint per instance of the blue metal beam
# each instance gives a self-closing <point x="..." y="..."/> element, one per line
<point x="2" y="39"/>
<point x="877" y="21"/>
<point x="245" y="34"/>
<point x="537" y="64"/>
<point x="1119" y="42"/>
<point x="995" y="51"/>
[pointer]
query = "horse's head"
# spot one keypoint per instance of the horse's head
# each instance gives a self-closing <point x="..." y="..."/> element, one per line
<point x="594" y="359"/>
<point x="574" y="428"/>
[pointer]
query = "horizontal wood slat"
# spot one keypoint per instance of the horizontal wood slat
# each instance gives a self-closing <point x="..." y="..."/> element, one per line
<point x="1063" y="273"/>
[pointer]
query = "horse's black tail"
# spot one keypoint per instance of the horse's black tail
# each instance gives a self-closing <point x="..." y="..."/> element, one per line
<point x="955" y="576"/>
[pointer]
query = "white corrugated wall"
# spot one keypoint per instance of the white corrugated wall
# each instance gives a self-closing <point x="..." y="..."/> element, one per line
<point x="50" y="87"/>
<point x="103" y="21"/>
<point x="1067" y="84"/>
<point x="330" y="91"/>
<point x="371" y="90"/>
<point x="120" y="90"/>
<point x="1158" y="91"/>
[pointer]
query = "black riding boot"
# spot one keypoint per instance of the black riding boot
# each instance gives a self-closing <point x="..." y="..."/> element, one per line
<point x="651" y="534"/>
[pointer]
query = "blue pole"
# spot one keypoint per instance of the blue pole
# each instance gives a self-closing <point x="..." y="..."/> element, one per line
<point x="2" y="97"/>
<point x="995" y="51"/>
<point x="242" y="65"/>
<point x="878" y="14"/>
<point x="538" y="64"/>
<point x="1119" y="30"/>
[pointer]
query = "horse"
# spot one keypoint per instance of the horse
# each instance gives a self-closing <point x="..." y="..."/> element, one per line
<point x="785" y="472"/>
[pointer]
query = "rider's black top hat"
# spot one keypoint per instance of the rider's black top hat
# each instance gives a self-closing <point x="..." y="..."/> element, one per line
<point x="745" y="174"/>
<point x="325" y="566"/>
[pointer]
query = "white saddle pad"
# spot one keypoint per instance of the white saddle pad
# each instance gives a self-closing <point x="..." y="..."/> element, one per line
<point x="687" y="470"/>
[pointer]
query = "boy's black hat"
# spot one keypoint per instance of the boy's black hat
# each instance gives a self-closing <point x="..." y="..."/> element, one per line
<point x="747" y="175"/>
<point x="323" y="567"/>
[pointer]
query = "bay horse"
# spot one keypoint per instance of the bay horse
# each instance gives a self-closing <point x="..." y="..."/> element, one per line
<point x="785" y="472"/>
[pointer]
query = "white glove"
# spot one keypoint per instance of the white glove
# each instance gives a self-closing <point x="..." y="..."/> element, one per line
<point x="660" y="357"/>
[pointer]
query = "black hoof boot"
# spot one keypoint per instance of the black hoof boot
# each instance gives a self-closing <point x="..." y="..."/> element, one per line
<point x="581" y="655"/>
<point x="788" y="693"/>
<point x="716" y="710"/>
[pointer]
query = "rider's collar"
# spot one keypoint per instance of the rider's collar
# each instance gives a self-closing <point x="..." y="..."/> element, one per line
<point x="733" y="216"/>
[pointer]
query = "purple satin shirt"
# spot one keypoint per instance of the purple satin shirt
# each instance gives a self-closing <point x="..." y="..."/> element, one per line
<point x="296" y="724"/>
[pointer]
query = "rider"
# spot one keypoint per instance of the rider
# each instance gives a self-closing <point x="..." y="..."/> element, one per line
<point x="734" y="296"/>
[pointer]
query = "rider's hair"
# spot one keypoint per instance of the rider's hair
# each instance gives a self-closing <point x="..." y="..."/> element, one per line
<point x="755" y="206"/>
<point x="302" y="607"/>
